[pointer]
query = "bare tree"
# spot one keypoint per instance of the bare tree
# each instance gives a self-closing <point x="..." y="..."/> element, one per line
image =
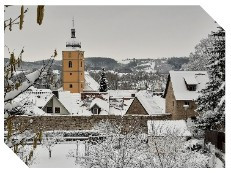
<point x="50" y="139"/>
<point x="17" y="134"/>
<point x="170" y="151"/>
<point x="120" y="149"/>
<point x="117" y="149"/>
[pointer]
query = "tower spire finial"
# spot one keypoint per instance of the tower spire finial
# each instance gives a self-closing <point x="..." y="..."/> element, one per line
<point x="73" y="29"/>
<point x="73" y="22"/>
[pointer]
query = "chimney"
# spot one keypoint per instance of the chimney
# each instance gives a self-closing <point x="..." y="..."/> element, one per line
<point x="56" y="93"/>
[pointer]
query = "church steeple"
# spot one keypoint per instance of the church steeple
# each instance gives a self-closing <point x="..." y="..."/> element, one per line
<point x="73" y="43"/>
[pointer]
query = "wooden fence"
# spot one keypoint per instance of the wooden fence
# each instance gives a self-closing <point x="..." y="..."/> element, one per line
<point x="216" y="138"/>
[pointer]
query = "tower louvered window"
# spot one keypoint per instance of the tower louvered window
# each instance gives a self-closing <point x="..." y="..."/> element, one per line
<point x="70" y="64"/>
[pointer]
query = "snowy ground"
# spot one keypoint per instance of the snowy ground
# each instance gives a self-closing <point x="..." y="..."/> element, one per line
<point x="59" y="157"/>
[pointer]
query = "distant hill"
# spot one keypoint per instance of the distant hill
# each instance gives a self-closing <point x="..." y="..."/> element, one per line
<point x="163" y="65"/>
<point x="97" y="63"/>
<point x="37" y="64"/>
<point x="177" y="62"/>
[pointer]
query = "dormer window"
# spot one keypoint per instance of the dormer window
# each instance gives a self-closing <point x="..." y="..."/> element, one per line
<point x="190" y="82"/>
<point x="191" y="87"/>
<point x="95" y="111"/>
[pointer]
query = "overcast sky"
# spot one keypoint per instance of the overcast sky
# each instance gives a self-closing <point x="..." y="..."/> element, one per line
<point x="118" y="32"/>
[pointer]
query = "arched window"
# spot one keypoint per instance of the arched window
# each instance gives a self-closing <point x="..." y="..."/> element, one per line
<point x="81" y="64"/>
<point x="70" y="64"/>
<point x="70" y="85"/>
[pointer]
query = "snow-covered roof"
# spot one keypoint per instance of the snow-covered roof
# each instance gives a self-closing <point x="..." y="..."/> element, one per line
<point x="121" y="93"/>
<point x="149" y="103"/>
<point x="77" y="106"/>
<point x="34" y="110"/>
<point x="90" y="83"/>
<point x="103" y="104"/>
<point x="36" y="90"/>
<point x="160" y="101"/>
<point x="71" y="101"/>
<point x="190" y="79"/>
<point x="200" y="78"/>
<point x="56" y="72"/>
<point x="38" y="97"/>
<point x="167" y="127"/>
<point x="119" y="106"/>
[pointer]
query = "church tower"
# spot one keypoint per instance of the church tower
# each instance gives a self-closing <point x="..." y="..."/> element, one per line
<point x="73" y="65"/>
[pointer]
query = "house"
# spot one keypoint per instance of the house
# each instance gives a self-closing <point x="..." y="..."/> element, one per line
<point x="145" y="104"/>
<point x="182" y="90"/>
<point x="90" y="103"/>
<point x="113" y="102"/>
<point x="42" y="99"/>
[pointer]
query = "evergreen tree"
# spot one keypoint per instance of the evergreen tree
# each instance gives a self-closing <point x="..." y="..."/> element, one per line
<point x="103" y="82"/>
<point x="211" y="103"/>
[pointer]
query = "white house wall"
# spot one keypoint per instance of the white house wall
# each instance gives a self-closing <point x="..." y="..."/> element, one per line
<point x="55" y="103"/>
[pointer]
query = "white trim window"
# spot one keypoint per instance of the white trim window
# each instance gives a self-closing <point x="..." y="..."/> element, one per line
<point x="95" y="111"/>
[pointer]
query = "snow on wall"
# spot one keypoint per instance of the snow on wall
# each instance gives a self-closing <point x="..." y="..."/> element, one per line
<point x="168" y="127"/>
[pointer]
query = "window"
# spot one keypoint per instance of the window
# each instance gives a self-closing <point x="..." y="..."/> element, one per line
<point x="70" y="64"/>
<point x="191" y="87"/>
<point x="172" y="103"/>
<point x="57" y="109"/>
<point x="70" y="85"/>
<point x="95" y="111"/>
<point x="186" y="102"/>
<point x="81" y="64"/>
<point x="70" y="73"/>
<point x="49" y="110"/>
<point x="81" y="85"/>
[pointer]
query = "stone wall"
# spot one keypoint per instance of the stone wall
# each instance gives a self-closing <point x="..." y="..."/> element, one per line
<point x="180" y="112"/>
<point x="83" y="122"/>
<point x="170" y="100"/>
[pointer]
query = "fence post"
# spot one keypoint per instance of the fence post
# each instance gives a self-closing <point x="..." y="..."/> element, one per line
<point x="77" y="151"/>
<point x="211" y="148"/>
<point x="86" y="149"/>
